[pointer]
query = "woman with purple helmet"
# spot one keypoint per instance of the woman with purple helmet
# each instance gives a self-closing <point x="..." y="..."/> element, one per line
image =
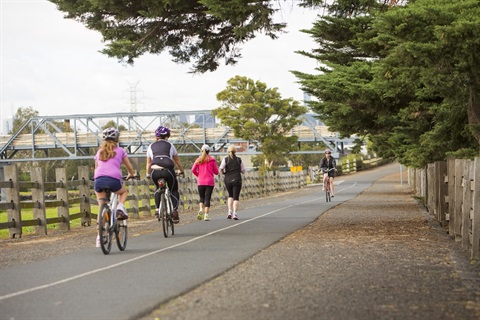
<point x="164" y="154"/>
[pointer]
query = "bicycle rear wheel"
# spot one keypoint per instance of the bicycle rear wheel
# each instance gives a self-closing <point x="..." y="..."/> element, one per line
<point x="121" y="233"/>
<point x="163" y="216"/>
<point x="105" y="228"/>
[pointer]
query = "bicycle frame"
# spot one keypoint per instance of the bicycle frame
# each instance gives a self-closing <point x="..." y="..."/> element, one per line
<point x="327" y="190"/>
<point x="109" y="225"/>
<point x="165" y="208"/>
<point x="326" y="180"/>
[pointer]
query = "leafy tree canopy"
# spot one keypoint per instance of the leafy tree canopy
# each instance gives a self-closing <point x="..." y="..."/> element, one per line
<point x="22" y="115"/>
<point x="260" y="115"/>
<point x="113" y="124"/>
<point x="198" y="31"/>
<point x="408" y="77"/>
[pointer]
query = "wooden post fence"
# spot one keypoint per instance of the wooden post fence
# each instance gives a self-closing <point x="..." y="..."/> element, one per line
<point x="255" y="185"/>
<point x="14" y="213"/>
<point x="452" y="195"/>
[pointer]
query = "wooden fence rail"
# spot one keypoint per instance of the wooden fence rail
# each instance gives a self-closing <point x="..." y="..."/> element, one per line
<point x="451" y="192"/>
<point x="140" y="193"/>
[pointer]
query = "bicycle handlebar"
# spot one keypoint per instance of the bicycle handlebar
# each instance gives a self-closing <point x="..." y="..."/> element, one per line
<point x="182" y="173"/>
<point x="128" y="177"/>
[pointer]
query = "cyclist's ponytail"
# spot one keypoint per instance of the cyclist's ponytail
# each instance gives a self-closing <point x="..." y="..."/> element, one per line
<point x="107" y="150"/>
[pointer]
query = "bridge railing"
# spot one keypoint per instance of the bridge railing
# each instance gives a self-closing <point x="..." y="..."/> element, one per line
<point x="127" y="137"/>
<point x="67" y="195"/>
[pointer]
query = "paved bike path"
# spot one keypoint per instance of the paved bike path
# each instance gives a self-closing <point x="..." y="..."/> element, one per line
<point x="90" y="285"/>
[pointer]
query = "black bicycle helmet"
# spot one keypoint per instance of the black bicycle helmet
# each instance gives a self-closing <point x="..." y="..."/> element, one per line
<point x="162" y="132"/>
<point x="111" y="133"/>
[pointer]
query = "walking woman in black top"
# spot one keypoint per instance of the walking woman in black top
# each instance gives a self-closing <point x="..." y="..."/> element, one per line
<point x="232" y="167"/>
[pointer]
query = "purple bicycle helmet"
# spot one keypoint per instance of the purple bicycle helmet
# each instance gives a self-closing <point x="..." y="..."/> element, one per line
<point x="162" y="132"/>
<point x="111" y="133"/>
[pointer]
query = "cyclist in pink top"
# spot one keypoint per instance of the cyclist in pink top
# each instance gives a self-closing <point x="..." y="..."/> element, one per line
<point x="108" y="173"/>
<point x="205" y="168"/>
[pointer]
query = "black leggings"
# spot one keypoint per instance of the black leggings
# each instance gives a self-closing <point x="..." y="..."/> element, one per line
<point x="205" y="194"/>
<point x="234" y="190"/>
<point x="171" y="179"/>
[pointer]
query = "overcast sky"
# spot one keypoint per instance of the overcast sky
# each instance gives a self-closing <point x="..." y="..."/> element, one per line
<point x="53" y="65"/>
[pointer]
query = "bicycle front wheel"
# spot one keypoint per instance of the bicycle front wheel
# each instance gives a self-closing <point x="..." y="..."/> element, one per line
<point x="121" y="234"/>
<point x="105" y="228"/>
<point x="327" y="192"/>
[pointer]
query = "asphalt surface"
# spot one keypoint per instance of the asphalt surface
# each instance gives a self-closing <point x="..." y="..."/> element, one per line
<point x="380" y="255"/>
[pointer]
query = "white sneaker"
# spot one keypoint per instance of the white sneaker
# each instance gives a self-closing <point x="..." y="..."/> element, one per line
<point x="229" y="215"/>
<point x="206" y="217"/>
<point x="98" y="241"/>
<point x="235" y="217"/>
<point x="121" y="212"/>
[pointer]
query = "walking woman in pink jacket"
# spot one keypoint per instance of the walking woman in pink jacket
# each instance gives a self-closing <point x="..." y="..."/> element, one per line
<point x="205" y="168"/>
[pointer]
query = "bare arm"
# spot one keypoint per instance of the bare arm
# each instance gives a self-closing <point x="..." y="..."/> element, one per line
<point x="149" y="163"/>
<point x="128" y="164"/>
<point x="177" y="161"/>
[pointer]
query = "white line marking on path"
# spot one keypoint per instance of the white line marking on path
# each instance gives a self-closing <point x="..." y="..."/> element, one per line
<point x="45" y="286"/>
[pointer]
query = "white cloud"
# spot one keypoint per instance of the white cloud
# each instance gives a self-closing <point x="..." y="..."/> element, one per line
<point x="53" y="65"/>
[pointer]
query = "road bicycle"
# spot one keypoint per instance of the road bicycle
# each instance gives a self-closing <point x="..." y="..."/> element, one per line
<point x="165" y="209"/>
<point x="328" y="192"/>
<point x="108" y="224"/>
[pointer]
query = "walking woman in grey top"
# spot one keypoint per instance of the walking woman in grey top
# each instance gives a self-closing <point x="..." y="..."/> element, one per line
<point x="232" y="167"/>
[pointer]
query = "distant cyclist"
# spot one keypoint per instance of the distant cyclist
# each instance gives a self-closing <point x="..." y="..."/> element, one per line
<point x="164" y="154"/>
<point x="327" y="163"/>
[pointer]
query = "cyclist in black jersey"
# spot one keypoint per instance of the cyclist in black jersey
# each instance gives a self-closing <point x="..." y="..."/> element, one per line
<point x="164" y="154"/>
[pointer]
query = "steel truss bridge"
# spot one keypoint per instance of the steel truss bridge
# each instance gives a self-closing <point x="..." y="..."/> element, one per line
<point x="76" y="135"/>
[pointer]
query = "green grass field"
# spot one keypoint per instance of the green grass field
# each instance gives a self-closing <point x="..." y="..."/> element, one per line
<point x="27" y="214"/>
